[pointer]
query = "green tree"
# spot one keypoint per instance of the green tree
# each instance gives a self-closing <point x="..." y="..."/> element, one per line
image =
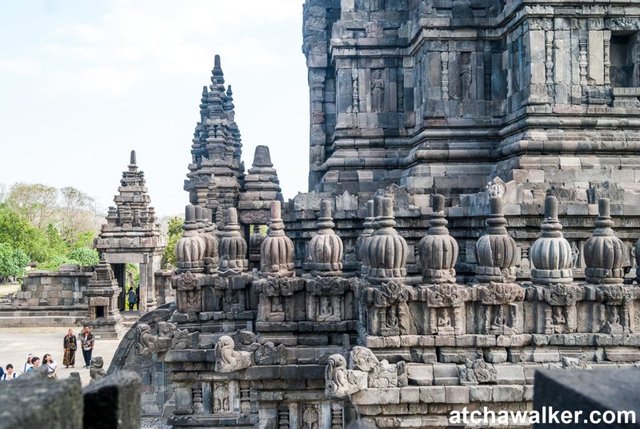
<point x="12" y="261"/>
<point x="174" y="232"/>
<point x="20" y="234"/>
<point x="85" y="256"/>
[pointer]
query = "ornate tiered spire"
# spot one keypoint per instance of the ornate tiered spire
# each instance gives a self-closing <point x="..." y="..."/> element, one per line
<point x="216" y="148"/>
<point x="604" y="252"/>
<point x="496" y="251"/>
<point x="277" y="248"/>
<point x="132" y="214"/>
<point x="551" y="253"/>
<point x="233" y="247"/>
<point x="438" y="250"/>
<point x="190" y="249"/>
<point x="325" y="248"/>
<point x="386" y="250"/>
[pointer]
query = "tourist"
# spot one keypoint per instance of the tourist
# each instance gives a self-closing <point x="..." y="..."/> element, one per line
<point x="70" y="346"/>
<point x="131" y="298"/>
<point x="50" y="365"/>
<point x="1" y="372"/>
<point x="28" y="364"/>
<point x="138" y="296"/>
<point x="10" y="374"/>
<point x="86" y="340"/>
<point x="35" y="363"/>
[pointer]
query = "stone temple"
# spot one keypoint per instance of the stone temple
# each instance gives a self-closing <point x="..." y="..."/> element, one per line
<point x="473" y="215"/>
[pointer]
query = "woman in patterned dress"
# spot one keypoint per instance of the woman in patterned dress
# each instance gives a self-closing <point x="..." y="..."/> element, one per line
<point x="70" y="346"/>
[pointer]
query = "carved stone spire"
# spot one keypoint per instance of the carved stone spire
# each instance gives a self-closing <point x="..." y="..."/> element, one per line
<point x="364" y="236"/>
<point x="551" y="253"/>
<point x="325" y="248"/>
<point x="277" y="248"/>
<point x="438" y="250"/>
<point x="232" y="247"/>
<point x="496" y="251"/>
<point x="191" y="246"/>
<point x="386" y="250"/>
<point x="211" y="259"/>
<point x="604" y="252"/>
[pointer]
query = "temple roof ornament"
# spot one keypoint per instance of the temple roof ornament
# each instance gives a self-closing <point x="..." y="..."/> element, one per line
<point x="496" y="251"/>
<point x="277" y="248"/>
<point x="325" y="248"/>
<point x="364" y="236"/>
<point x="551" y="254"/>
<point x="604" y="252"/>
<point x="438" y="250"/>
<point x="232" y="247"/>
<point x="386" y="250"/>
<point x="190" y="249"/>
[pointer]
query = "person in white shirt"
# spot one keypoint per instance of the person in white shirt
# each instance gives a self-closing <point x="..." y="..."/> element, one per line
<point x="9" y="373"/>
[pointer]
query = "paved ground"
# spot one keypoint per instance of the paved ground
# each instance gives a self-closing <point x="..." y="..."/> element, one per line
<point x="17" y="343"/>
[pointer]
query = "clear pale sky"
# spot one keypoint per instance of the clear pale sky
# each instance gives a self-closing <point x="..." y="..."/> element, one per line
<point x="84" y="82"/>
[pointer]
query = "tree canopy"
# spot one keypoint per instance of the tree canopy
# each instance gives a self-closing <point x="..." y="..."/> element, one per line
<point x="47" y="226"/>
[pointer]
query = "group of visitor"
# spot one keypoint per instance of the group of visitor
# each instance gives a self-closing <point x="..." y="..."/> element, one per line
<point x="70" y="343"/>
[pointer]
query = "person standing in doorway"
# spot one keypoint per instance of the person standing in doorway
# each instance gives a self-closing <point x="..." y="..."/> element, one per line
<point x="138" y="297"/>
<point x="70" y="346"/>
<point x="131" y="297"/>
<point x="87" y="343"/>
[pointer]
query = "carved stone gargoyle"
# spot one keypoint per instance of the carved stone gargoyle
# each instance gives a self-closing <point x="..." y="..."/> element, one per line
<point x="228" y="359"/>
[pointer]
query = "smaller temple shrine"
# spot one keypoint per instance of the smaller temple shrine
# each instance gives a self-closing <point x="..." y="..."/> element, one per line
<point x="131" y="236"/>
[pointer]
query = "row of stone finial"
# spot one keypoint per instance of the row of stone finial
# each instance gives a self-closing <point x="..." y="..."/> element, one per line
<point x="498" y="255"/>
<point x="204" y="249"/>
<point x="383" y="252"/>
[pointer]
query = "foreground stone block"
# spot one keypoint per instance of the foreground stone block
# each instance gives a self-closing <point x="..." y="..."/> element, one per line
<point x="113" y="402"/>
<point x="35" y="401"/>
<point x="588" y="390"/>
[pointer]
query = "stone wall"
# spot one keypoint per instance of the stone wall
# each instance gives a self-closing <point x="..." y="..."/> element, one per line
<point x="451" y="94"/>
<point x="63" y="288"/>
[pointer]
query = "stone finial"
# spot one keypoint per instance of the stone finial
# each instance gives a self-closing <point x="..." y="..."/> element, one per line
<point x="604" y="252"/>
<point x="496" y="251"/>
<point x="191" y="246"/>
<point x="262" y="157"/>
<point x="200" y="219"/>
<point x="386" y="250"/>
<point x="255" y="242"/>
<point x="232" y="247"/>
<point x="325" y="248"/>
<point x="211" y="259"/>
<point x="217" y="74"/>
<point x="132" y="158"/>
<point x="551" y="254"/>
<point x="438" y="250"/>
<point x="364" y="236"/>
<point x="277" y="248"/>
